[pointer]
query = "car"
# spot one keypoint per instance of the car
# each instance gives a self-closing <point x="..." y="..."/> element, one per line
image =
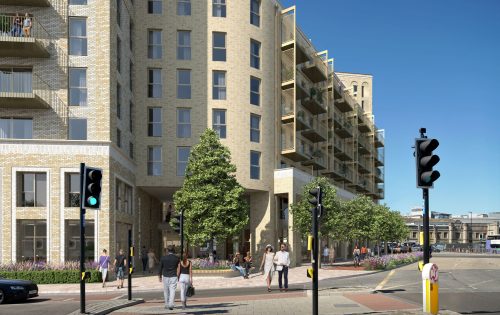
<point x="416" y="248"/>
<point x="15" y="290"/>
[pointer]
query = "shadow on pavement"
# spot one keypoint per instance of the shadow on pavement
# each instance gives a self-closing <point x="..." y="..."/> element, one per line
<point x="216" y="308"/>
<point x="391" y="291"/>
<point x="29" y="301"/>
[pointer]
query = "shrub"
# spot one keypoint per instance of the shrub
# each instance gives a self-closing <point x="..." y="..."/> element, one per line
<point x="391" y="261"/>
<point x="201" y="263"/>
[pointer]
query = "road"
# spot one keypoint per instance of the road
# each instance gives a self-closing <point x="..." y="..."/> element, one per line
<point x="468" y="285"/>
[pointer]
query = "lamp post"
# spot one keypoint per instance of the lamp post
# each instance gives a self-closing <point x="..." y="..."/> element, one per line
<point x="471" y="233"/>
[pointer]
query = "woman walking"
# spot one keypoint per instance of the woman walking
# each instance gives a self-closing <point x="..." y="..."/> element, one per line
<point x="152" y="260"/>
<point x="104" y="262"/>
<point x="185" y="274"/>
<point x="268" y="265"/>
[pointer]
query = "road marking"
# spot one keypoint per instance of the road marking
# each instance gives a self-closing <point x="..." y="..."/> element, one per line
<point x="381" y="284"/>
<point x="66" y="300"/>
<point x="119" y="297"/>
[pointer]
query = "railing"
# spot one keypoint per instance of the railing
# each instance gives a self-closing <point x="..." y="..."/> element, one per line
<point x="14" y="29"/>
<point x="287" y="26"/>
<point x="380" y="172"/>
<point x="380" y="135"/>
<point x="286" y="104"/>
<point x="363" y="163"/>
<point x="287" y="138"/>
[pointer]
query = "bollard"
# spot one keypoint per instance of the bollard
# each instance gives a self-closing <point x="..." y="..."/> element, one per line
<point x="430" y="288"/>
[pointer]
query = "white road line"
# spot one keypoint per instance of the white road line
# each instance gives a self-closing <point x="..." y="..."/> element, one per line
<point x="381" y="284"/>
<point x="119" y="297"/>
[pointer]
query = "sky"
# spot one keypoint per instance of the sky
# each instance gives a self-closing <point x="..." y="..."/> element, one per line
<point x="435" y="64"/>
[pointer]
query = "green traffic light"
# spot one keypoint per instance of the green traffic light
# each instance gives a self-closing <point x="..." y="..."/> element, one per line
<point x="92" y="201"/>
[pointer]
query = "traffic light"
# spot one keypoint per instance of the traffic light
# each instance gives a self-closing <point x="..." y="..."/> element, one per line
<point x="426" y="176"/>
<point x="92" y="187"/>
<point x="317" y="199"/>
<point x="175" y="223"/>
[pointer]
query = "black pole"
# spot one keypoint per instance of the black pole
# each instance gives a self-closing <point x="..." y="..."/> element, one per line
<point x="315" y="257"/>
<point x="129" y="261"/>
<point x="82" y="241"/>
<point x="426" y="225"/>
<point x="181" y="225"/>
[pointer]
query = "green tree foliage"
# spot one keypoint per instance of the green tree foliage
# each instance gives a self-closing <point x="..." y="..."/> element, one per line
<point x="360" y="215"/>
<point x="211" y="197"/>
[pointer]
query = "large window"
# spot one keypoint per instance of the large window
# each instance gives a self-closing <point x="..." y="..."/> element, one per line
<point x="254" y="91"/>
<point x="255" y="12"/>
<point x="154" y="122"/>
<point x="184" y="45"/>
<point x="72" y="190"/>
<point x="183" y="123"/>
<point x="78" y="36"/>
<point x="155" y="6"/>
<point x="182" y="160"/>
<point x="77" y="129"/>
<point x="16" y="80"/>
<point x="72" y="240"/>
<point x="183" y="7"/>
<point x="254" y="165"/>
<point x="16" y="128"/>
<point x="219" y="85"/>
<point x="254" y="128"/>
<point x="219" y="122"/>
<point x="31" y="237"/>
<point x="154" y="161"/>
<point x="31" y="189"/>
<point x="77" y="87"/>
<point x="183" y="83"/>
<point x="154" y="83"/>
<point x="219" y="8"/>
<point x="254" y="54"/>
<point x="154" y="44"/>
<point x="219" y="46"/>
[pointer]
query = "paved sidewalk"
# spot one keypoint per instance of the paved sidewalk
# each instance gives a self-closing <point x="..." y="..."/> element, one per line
<point x="296" y="276"/>
<point x="101" y="308"/>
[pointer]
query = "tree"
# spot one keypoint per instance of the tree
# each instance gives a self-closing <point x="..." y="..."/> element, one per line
<point x="360" y="212"/>
<point x="388" y="225"/>
<point x="211" y="197"/>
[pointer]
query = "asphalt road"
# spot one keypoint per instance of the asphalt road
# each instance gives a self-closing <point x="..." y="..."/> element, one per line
<point x="468" y="285"/>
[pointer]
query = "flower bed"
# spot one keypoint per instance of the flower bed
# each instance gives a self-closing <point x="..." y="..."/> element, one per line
<point x="391" y="261"/>
<point x="46" y="273"/>
<point x="205" y="264"/>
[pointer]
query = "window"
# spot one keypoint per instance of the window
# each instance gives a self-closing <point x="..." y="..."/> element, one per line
<point x="16" y="80"/>
<point x="445" y="234"/>
<point x="355" y="89"/>
<point x="131" y="150"/>
<point x="32" y="240"/>
<point x="414" y="235"/>
<point x="183" y="7"/>
<point x="131" y="35"/>
<point x="131" y="117"/>
<point x="78" y="2"/>
<point x="77" y="87"/>
<point x="362" y="91"/>
<point x="154" y="44"/>
<point x="72" y="189"/>
<point x="72" y="240"/>
<point x="362" y="104"/>
<point x="219" y="46"/>
<point x="219" y="8"/>
<point x="254" y="91"/>
<point x="154" y="83"/>
<point x="124" y="194"/>
<point x="255" y="12"/>
<point x="182" y="160"/>
<point x="131" y="77"/>
<point x="184" y="45"/>
<point x="118" y="138"/>
<point x="118" y="12"/>
<point x="77" y="36"/>
<point x="219" y="122"/>
<point x="154" y="122"/>
<point x="254" y="128"/>
<point x="154" y="161"/>
<point x="31" y="189"/>
<point x="219" y="85"/>
<point x="118" y="54"/>
<point x="77" y="129"/>
<point x="16" y="128"/>
<point x="254" y="54"/>
<point x="183" y="123"/>
<point x="155" y="6"/>
<point x="118" y="100"/>
<point x="254" y="165"/>
<point x="183" y="83"/>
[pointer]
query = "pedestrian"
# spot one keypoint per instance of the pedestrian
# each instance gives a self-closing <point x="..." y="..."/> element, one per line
<point x="356" y="252"/>
<point x="168" y="275"/>
<point x="282" y="260"/>
<point x="238" y="264"/>
<point x="363" y="252"/>
<point x="268" y="265"/>
<point x="16" y="26"/>
<point x="326" y="253"/>
<point x="152" y="260"/>
<point x="104" y="262"/>
<point x="27" y="25"/>
<point x="185" y="274"/>
<point x="119" y="264"/>
<point x="144" y="259"/>
<point x="248" y="264"/>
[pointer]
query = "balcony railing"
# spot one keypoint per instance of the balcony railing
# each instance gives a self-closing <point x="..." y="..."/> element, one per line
<point x="316" y="69"/>
<point x="22" y="37"/>
<point x="316" y="132"/>
<point x="31" y="3"/>
<point x="379" y="137"/>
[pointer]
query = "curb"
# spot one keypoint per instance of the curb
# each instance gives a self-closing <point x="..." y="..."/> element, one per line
<point x="102" y="308"/>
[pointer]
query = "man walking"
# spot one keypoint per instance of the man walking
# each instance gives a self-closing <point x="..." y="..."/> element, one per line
<point x="168" y="275"/>
<point x="326" y="253"/>
<point x="144" y="258"/>
<point x="282" y="260"/>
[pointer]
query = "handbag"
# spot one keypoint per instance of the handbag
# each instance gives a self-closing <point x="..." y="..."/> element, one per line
<point x="190" y="291"/>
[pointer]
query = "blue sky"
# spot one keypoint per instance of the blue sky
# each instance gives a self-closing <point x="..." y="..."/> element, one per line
<point x="436" y="64"/>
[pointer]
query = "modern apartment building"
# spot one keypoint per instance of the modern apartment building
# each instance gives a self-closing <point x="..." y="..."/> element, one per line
<point x="129" y="86"/>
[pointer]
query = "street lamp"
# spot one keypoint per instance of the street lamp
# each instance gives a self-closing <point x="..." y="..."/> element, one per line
<point x="471" y="233"/>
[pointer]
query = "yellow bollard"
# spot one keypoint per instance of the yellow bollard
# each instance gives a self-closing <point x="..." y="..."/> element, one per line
<point x="430" y="288"/>
<point x="309" y="242"/>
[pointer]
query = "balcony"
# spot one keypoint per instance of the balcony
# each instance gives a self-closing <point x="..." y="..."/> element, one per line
<point x="291" y="147"/>
<point x="316" y="132"/>
<point x="317" y="160"/>
<point x="31" y="3"/>
<point x="363" y="145"/>
<point x="379" y="137"/>
<point x="287" y="111"/>
<point x="363" y="166"/>
<point x="365" y="125"/>
<point x="340" y="150"/>
<point x="342" y="127"/>
<point x="315" y="70"/>
<point x="19" y="88"/>
<point x="337" y="170"/>
<point x="15" y="42"/>
<point x="379" y="158"/>
<point x="379" y="175"/>
<point x="314" y="102"/>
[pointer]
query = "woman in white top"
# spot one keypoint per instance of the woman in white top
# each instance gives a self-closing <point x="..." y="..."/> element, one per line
<point x="268" y="265"/>
<point x="152" y="260"/>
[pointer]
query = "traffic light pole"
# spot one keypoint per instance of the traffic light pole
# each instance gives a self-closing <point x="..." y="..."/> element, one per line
<point x="82" y="242"/>
<point x="426" y="225"/>
<point x="129" y="261"/>
<point x="315" y="258"/>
